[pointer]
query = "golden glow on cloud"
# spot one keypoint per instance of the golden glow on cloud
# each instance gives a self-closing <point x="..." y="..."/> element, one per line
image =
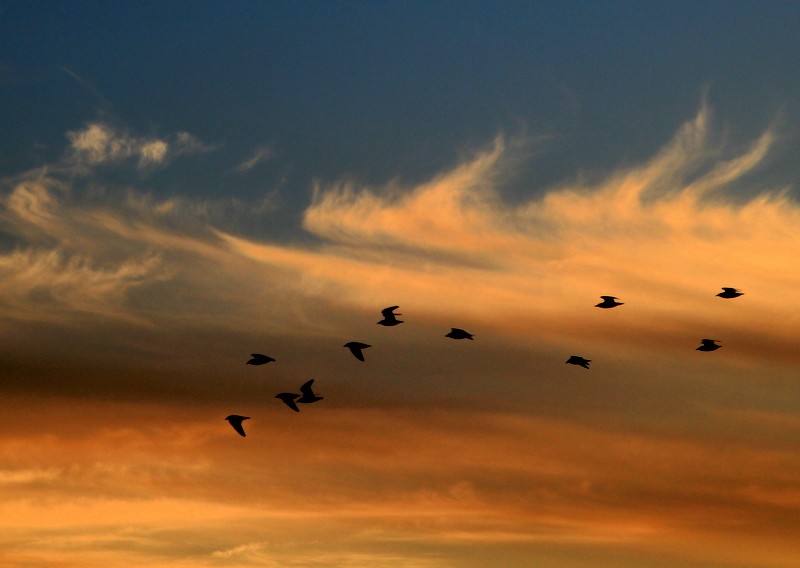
<point x="159" y="480"/>
<point x="433" y="450"/>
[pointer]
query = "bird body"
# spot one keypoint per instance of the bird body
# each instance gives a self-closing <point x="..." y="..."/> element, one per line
<point x="608" y="302"/>
<point x="708" y="345"/>
<point x="288" y="399"/>
<point x="456" y="333"/>
<point x="730" y="293"/>
<point x="389" y="317"/>
<point x="236" y="420"/>
<point x="580" y="361"/>
<point x="259" y="359"/>
<point x="355" y="348"/>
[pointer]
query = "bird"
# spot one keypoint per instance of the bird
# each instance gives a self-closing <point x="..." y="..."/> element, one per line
<point x="288" y="399"/>
<point x="608" y="302"/>
<point x="708" y="345"/>
<point x="355" y="348"/>
<point x="259" y="359"/>
<point x="576" y="360"/>
<point x="456" y="333"/>
<point x="236" y="421"/>
<point x="308" y="394"/>
<point x="730" y="293"/>
<point x="389" y="318"/>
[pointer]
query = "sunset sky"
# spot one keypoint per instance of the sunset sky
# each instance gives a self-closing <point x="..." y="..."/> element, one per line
<point x="185" y="183"/>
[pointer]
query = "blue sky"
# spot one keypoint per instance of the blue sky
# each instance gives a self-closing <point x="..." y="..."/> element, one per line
<point x="384" y="90"/>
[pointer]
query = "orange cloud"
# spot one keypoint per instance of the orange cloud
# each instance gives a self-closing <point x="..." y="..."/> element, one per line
<point x="432" y="445"/>
<point x="138" y="483"/>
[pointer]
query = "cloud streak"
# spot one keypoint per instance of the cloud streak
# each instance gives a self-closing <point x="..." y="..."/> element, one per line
<point x="258" y="156"/>
<point x="113" y="297"/>
<point x="416" y="479"/>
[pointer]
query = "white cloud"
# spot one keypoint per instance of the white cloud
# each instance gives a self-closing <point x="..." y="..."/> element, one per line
<point x="96" y="143"/>
<point x="99" y="143"/>
<point x="152" y="152"/>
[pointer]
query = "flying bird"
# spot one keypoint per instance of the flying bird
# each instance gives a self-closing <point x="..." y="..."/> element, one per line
<point x="308" y="394"/>
<point x="608" y="302"/>
<point x="288" y="399"/>
<point x="355" y="348"/>
<point x="456" y="333"/>
<point x="259" y="359"/>
<point x="576" y="360"/>
<point x="389" y="318"/>
<point x="708" y="345"/>
<point x="236" y="421"/>
<point x="730" y="293"/>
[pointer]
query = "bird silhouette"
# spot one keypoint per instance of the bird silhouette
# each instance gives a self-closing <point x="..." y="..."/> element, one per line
<point x="308" y="394"/>
<point x="608" y="302"/>
<point x="288" y="399"/>
<point x="355" y="348"/>
<point x="389" y="318"/>
<point x="708" y="345"/>
<point x="576" y="360"/>
<point x="259" y="359"/>
<point x="730" y="293"/>
<point x="456" y="333"/>
<point x="236" y="421"/>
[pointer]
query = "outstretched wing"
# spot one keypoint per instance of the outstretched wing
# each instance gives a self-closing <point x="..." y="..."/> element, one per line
<point x="259" y="359"/>
<point x="306" y="389"/>
<point x="236" y="422"/>
<point x="388" y="313"/>
<point x="355" y="348"/>
<point x="288" y="399"/>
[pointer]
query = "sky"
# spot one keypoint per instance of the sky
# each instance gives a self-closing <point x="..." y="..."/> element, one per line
<point x="183" y="184"/>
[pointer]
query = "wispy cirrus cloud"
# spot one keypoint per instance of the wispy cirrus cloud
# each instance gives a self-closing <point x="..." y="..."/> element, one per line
<point x="260" y="154"/>
<point x="488" y="446"/>
<point x="664" y="236"/>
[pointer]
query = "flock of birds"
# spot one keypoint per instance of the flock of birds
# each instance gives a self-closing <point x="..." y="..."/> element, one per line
<point x="308" y="396"/>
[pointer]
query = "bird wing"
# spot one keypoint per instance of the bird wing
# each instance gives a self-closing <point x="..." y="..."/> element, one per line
<point x="288" y="399"/>
<point x="238" y="427"/>
<point x="387" y="312"/>
<point x="306" y="389"/>
<point x="236" y="422"/>
<point x="609" y="298"/>
<point x="356" y="351"/>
